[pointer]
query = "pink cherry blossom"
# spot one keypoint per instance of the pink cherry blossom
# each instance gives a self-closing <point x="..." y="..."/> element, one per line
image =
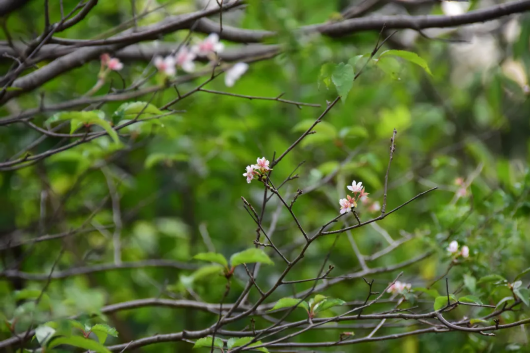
<point x="399" y="287"/>
<point x="465" y="251"/>
<point x="114" y="64"/>
<point x="356" y="187"/>
<point x="234" y="73"/>
<point x="375" y="207"/>
<point x="209" y="45"/>
<point x="462" y="192"/>
<point x="459" y="181"/>
<point x="184" y="58"/>
<point x="250" y="174"/>
<point x="364" y="199"/>
<point x="262" y="165"/>
<point x="453" y="247"/>
<point x="166" y="65"/>
<point x="345" y="206"/>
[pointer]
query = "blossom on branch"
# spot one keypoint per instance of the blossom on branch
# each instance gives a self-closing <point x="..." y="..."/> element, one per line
<point x="347" y="204"/>
<point x="110" y="63"/>
<point x="356" y="187"/>
<point x="166" y="65"/>
<point x="184" y="58"/>
<point x="234" y="73"/>
<point x="257" y="170"/>
<point x="209" y="45"/>
<point x="250" y="174"/>
<point x="115" y="64"/>
<point x="453" y="247"/>
<point x="399" y="287"/>
<point x="465" y="251"/>
<point x="262" y="165"/>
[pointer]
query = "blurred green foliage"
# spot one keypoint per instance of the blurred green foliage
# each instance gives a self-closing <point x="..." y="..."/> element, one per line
<point x="180" y="178"/>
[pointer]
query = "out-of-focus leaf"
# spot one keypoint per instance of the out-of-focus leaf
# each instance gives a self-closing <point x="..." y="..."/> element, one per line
<point x="522" y="274"/>
<point x="102" y="331"/>
<point x="390" y="66"/>
<point x="479" y="321"/>
<point x="504" y="300"/>
<point x="250" y="256"/>
<point x="81" y="116"/>
<point x="327" y="303"/>
<point x="491" y="278"/>
<point x="409" y="56"/>
<point x="441" y="301"/>
<point x="80" y="342"/>
<point x="470" y="299"/>
<point x="207" y="272"/>
<point x="207" y="342"/>
<point x="470" y="282"/>
<point x="290" y="302"/>
<point x="324" y="78"/>
<point x="523" y="294"/>
<point x="238" y="342"/>
<point x="212" y="257"/>
<point x="44" y="333"/>
<point x="430" y="292"/>
<point x="137" y="109"/>
<point x="342" y="78"/>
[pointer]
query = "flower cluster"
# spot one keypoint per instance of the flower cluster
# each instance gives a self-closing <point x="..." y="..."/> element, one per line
<point x="108" y="63"/>
<point x="184" y="59"/>
<point x="399" y="287"/>
<point x="453" y="249"/>
<point x="257" y="170"/>
<point x="350" y="202"/>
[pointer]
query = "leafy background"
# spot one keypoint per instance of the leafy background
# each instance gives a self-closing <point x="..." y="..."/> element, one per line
<point x="465" y="120"/>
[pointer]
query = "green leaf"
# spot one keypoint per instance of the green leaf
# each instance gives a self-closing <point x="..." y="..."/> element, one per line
<point x="390" y="66"/>
<point x="479" y="321"/>
<point x="441" y="301"/>
<point x="102" y="331"/>
<point x="207" y="342"/>
<point x="250" y="256"/>
<point x="133" y="109"/>
<point x="328" y="303"/>
<point x="522" y="274"/>
<point x="289" y="303"/>
<point x="238" y="342"/>
<point x="342" y="78"/>
<point x="207" y="272"/>
<point x="517" y="284"/>
<point x="504" y="300"/>
<point x="523" y="294"/>
<point x="156" y="158"/>
<point x="76" y="123"/>
<point x="212" y="257"/>
<point x="316" y="299"/>
<point x="470" y="299"/>
<point x="326" y="71"/>
<point x="430" y="292"/>
<point x="353" y="61"/>
<point x="470" y="282"/>
<point x="491" y="278"/>
<point x="43" y="334"/>
<point x="81" y="342"/>
<point x="81" y="115"/>
<point x="409" y="56"/>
